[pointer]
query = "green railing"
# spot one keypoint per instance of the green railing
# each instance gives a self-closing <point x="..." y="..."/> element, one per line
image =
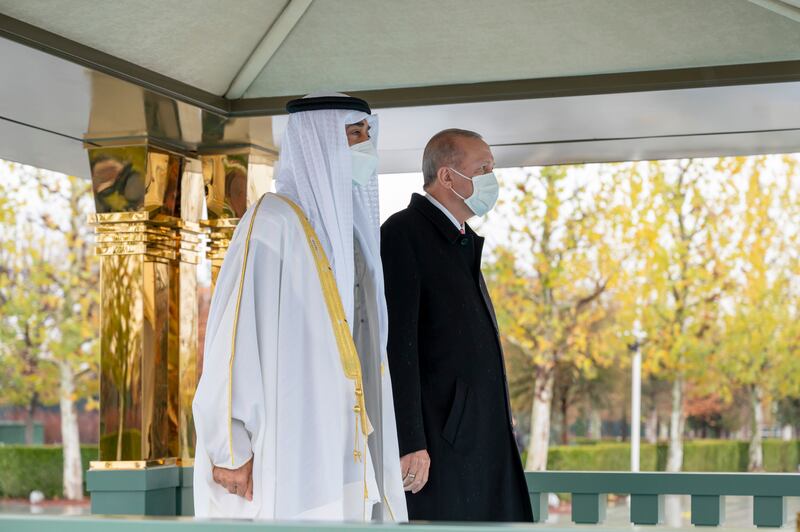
<point x="590" y="491"/>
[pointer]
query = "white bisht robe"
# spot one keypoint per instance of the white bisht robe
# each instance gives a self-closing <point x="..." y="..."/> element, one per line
<point x="282" y="395"/>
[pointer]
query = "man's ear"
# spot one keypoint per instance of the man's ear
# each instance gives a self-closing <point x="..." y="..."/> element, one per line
<point x="444" y="177"/>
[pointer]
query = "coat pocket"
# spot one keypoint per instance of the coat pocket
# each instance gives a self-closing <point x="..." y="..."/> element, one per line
<point x="451" y="426"/>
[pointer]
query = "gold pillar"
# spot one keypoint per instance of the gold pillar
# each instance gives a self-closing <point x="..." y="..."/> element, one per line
<point x="234" y="180"/>
<point x="192" y="246"/>
<point x="136" y="190"/>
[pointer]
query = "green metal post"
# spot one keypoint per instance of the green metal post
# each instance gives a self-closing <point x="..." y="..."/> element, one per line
<point x="647" y="509"/>
<point x="708" y="510"/>
<point x="769" y="511"/>
<point x="589" y="508"/>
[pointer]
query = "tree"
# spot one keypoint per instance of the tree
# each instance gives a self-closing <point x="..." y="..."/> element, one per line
<point x="24" y="308"/>
<point x="548" y="281"/>
<point x="25" y="319"/>
<point x="681" y="261"/>
<point x="760" y="344"/>
<point x="654" y="395"/>
<point x="588" y="392"/>
<point x="702" y="256"/>
<point x="50" y="304"/>
<point x="789" y="416"/>
<point x="75" y="350"/>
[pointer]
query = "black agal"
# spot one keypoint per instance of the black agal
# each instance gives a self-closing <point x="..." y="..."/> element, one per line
<point x="328" y="102"/>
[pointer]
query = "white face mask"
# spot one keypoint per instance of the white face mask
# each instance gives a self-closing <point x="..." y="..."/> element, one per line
<point x="365" y="161"/>
<point x="484" y="192"/>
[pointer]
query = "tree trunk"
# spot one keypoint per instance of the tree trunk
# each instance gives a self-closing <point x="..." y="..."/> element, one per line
<point x="73" y="470"/>
<point x="29" y="412"/>
<point x="742" y="433"/>
<point x="676" y="423"/>
<point x="564" y="419"/>
<point x="663" y="430"/>
<point x="540" y="423"/>
<point x="595" y="424"/>
<point x="756" y="455"/>
<point x="651" y="426"/>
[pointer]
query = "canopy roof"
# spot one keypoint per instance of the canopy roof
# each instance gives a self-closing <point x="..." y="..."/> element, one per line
<point x="564" y="68"/>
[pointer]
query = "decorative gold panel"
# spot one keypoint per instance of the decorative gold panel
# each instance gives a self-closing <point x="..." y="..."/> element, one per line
<point x="128" y="179"/>
<point x="136" y="190"/>
<point x="151" y="239"/>
<point x="192" y="246"/>
<point x="233" y="181"/>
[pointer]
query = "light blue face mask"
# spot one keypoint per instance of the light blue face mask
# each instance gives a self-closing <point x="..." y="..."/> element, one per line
<point x="484" y="192"/>
<point x="365" y="161"/>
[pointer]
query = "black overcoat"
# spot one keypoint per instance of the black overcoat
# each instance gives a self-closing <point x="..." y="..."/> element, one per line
<point x="448" y="377"/>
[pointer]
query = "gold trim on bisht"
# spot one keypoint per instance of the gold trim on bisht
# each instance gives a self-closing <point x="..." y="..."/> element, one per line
<point x="389" y="506"/>
<point x="236" y="324"/>
<point x="348" y="354"/>
<point x="351" y="364"/>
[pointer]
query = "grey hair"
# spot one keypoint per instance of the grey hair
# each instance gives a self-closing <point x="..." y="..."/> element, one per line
<point x="443" y="150"/>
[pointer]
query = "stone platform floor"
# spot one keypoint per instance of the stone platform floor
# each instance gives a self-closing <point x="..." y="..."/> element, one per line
<point x="739" y="511"/>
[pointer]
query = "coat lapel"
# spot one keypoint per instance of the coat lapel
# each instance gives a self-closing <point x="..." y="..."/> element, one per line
<point x="487" y="300"/>
<point x="449" y="232"/>
<point x="436" y="217"/>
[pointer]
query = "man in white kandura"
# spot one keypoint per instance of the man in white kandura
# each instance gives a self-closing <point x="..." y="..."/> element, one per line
<point x="294" y="411"/>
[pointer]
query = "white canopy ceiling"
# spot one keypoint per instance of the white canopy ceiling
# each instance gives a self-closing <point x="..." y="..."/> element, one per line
<point x="546" y="81"/>
<point x="379" y="44"/>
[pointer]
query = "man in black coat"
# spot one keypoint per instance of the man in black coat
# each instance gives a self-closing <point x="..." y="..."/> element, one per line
<point x="458" y="456"/>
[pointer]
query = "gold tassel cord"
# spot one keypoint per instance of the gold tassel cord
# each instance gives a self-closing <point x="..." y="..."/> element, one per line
<point x="348" y="355"/>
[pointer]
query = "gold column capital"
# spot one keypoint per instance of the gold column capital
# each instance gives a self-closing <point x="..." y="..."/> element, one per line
<point x="234" y="179"/>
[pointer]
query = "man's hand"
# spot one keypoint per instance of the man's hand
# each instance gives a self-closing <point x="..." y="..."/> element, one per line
<point x="236" y="481"/>
<point x="414" y="468"/>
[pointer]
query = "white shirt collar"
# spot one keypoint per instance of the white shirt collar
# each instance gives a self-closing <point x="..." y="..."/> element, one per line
<point x="447" y="213"/>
